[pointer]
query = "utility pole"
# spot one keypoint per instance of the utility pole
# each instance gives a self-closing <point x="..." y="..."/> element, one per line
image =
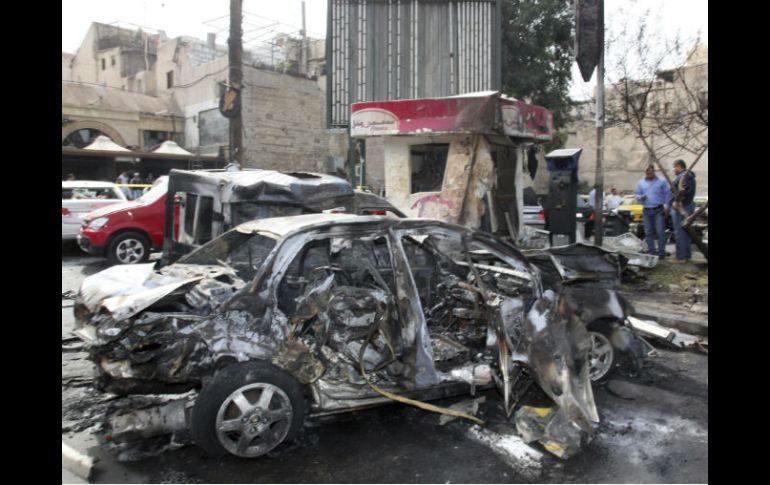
<point x="235" y="53"/>
<point x="599" y="199"/>
<point x="589" y="40"/>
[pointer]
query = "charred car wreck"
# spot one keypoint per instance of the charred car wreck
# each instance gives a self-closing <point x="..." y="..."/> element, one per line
<point x="207" y="203"/>
<point x="317" y="314"/>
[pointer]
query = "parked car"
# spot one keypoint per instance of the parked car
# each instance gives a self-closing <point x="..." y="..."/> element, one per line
<point x="318" y="314"/>
<point x="207" y="203"/>
<point x="79" y="197"/>
<point x="125" y="233"/>
<point x="630" y="209"/>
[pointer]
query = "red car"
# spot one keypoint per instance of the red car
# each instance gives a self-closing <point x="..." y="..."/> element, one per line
<point x="126" y="232"/>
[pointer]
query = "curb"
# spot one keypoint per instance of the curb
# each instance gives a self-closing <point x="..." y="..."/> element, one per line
<point x="76" y="462"/>
<point x="693" y="326"/>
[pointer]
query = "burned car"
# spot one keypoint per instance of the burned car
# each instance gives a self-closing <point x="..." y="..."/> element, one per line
<point x="207" y="203"/>
<point x="317" y="314"/>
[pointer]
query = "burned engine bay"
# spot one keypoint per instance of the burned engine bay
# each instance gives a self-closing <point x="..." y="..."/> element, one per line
<point x="358" y="310"/>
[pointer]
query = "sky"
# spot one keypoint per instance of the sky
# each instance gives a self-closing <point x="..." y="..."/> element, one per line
<point x="196" y="18"/>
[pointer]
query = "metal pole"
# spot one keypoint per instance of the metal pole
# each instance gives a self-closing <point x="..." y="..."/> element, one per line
<point x="236" y="78"/>
<point x="331" y="64"/>
<point x="599" y="185"/>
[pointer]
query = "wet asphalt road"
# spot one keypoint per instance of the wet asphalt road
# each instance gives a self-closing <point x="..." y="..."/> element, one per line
<point x="654" y="430"/>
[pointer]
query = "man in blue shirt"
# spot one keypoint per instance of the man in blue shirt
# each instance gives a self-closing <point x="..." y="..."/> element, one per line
<point x="653" y="192"/>
<point x="684" y="197"/>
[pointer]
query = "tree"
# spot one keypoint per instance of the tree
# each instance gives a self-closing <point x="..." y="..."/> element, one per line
<point x="537" y="53"/>
<point x="659" y="93"/>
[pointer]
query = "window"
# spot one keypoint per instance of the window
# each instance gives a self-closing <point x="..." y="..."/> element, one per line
<point x="169" y="79"/>
<point x="213" y="128"/>
<point x="428" y="165"/>
<point x="357" y="266"/>
<point x="104" y="65"/>
<point x="81" y="138"/>
<point x="243" y="252"/>
<point x="138" y="85"/>
<point x="112" y="61"/>
<point x="198" y="218"/>
<point x="90" y="193"/>
<point x="151" y="138"/>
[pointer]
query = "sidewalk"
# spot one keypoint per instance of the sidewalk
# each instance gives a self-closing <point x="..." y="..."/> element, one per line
<point x="658" y="307"/>
<point x="670" y="305"/>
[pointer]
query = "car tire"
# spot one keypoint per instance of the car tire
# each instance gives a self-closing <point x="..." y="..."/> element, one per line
<point x="128" y="248"/>
<point x="234" y="413"/>
<point x="603" y="356"/>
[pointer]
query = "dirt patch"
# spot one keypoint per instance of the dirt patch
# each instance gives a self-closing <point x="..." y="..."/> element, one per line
<point x="684" y="283"/>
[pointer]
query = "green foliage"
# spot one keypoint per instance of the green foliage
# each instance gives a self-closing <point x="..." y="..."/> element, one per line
<point x="537" y="53"/>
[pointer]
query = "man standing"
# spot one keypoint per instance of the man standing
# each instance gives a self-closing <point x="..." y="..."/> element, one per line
<point x="682" y="195"/>
<point x="592" y="198"/>
<point x="136" y="192"/>
<point x="123" y="181"/>
<point x="653" y="192"/>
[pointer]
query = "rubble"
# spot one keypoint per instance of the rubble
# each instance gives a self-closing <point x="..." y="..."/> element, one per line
<point x="76" y="462"/>
<point x="680" y="340"/>
<point x="470" y="406"/>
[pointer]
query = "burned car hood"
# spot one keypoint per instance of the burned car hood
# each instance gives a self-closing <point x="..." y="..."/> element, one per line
<point x="121" y="292"/>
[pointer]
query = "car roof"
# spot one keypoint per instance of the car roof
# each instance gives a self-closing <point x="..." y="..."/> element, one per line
<point x="88" y="184"/>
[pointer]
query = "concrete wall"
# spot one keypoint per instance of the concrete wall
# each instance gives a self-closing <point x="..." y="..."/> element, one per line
<point x="84" y="65"/>
<point x="110" y="75"/>
<point x="66" y="66"/>
<point x="624" y="158"/>
<point x="283" y="122"/>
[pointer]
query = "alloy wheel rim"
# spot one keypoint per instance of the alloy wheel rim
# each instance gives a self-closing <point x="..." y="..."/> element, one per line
<point x="600" y="357"/>
<point x="254" y="419"/>
<point x="130" y="251"/>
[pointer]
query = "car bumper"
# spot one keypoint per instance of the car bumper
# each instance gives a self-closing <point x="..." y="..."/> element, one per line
<point x="85" y="245"/>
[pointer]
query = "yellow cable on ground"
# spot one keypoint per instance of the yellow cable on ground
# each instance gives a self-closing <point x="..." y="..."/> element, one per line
<point x="419" y="404"/>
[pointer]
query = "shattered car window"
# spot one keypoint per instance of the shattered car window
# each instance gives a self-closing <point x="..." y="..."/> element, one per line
<point x="351" y="262"/>
<point x="243" y="252"/>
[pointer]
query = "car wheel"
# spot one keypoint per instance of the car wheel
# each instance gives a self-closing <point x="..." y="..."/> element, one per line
<point x="128" y="248"/>
<point x="247" y="409"/>
<point x="602" y="356"/>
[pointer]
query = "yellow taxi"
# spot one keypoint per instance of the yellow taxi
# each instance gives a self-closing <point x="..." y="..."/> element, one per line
<point x="632" y="207"/>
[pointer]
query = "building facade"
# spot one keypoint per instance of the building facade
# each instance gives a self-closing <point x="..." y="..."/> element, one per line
<point x="142" y="88"/>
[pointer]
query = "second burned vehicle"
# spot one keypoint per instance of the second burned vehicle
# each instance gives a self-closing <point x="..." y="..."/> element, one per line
<point x="317" y="314"/>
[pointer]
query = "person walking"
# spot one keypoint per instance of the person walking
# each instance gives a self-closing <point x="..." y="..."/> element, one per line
<point x="653" y="192"/>
<point x="682" y="195"/>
